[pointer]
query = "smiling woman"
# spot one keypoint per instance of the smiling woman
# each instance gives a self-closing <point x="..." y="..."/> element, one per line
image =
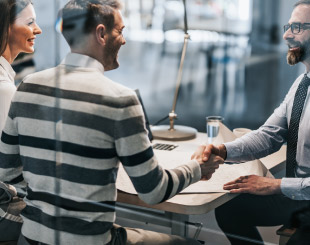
<point x="18" y="31"/>
<point x="23" y="32"/>
<point x="17" y="34"/>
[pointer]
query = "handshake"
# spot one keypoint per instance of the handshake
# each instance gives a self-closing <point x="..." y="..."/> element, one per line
<point x="209" y="157"/>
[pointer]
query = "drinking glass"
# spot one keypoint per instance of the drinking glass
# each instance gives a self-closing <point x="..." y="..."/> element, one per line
<point x="213" y="127"/>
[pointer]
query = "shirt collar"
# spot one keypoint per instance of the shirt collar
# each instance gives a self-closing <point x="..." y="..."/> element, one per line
<point x="8" y="68"/>
<point x="80" y="60"/>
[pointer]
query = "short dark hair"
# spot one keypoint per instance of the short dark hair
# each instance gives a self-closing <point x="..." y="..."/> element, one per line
<point x="307" y="2"/>
<point x="82" y="17"/>
<point x="9" y="10"/>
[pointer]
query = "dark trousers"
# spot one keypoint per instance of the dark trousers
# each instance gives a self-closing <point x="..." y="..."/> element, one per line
<point x="300" y="237"/>
<point x="239" y="217"/>
<point x="131" y="236"/>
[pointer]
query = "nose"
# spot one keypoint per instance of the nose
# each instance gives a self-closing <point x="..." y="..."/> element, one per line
<point x="123" y="41"/>
<point x="288" y="34"/>
<point x="37" y="30"/>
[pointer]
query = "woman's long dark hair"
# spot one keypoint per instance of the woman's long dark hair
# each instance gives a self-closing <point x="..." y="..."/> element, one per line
<point x="9" y="10"/>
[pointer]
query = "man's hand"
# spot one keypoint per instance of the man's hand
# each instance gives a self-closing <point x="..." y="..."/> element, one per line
<point x="208" y="168"/>
<point x="208" y="164"/>
<point x="208" y="150"/>
<point x="254" y="184"/>
<point x="199" y="154"/>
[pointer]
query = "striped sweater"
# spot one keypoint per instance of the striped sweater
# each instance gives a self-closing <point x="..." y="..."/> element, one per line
<point x="67" y="131"/>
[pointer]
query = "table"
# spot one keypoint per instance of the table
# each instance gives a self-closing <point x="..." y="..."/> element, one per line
<point x="175" y="212"/>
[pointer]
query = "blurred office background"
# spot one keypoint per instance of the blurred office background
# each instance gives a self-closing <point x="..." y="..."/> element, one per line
<point x="235" y="65"/>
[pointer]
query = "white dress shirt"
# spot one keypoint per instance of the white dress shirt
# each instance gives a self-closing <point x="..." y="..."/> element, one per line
<point x="7" y="89"/>
<point x="272" y="135"/>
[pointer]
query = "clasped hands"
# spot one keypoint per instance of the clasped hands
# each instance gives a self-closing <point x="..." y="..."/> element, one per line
<point x="209" y="161"/>
<point x="210" y="156"/>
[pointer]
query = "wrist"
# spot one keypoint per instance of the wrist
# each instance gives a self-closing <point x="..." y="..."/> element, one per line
<point x="222" y="151"/>
<point x="277" y="186"/>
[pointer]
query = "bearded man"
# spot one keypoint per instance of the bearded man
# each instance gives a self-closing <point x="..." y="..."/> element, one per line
<point x="267" y="201"/>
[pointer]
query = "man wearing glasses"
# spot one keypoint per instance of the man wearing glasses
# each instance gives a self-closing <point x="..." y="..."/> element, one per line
<point x="266" y="201"/>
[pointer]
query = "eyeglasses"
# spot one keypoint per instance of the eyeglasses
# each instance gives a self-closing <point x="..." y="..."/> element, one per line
<point x="296" y="28"/>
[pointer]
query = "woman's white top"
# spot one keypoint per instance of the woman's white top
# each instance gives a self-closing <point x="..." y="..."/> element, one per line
<point x="7" y="89"/>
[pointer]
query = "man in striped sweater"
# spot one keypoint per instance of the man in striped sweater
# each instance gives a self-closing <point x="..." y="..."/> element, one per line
<point x="68" y="130"/>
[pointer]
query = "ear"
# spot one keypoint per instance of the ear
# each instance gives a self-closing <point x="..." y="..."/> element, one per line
<point x="101" y="34"/>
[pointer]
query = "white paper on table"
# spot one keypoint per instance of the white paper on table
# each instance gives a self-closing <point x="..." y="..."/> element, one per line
<point x="225" y="173"/>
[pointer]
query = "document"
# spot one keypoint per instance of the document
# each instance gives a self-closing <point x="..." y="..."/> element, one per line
<point x="225" y="173"/>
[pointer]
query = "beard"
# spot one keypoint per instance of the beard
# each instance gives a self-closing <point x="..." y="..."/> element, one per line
<point x="300" y="54"/>
<point x="110" y="55"/>
<point x="294" y="56"/>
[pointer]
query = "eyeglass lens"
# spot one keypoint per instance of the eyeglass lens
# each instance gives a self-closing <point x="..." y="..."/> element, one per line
<point x="295" y="27"/>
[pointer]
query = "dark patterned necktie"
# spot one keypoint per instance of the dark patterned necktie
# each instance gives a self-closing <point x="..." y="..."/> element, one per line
<point x="292" y="137"/>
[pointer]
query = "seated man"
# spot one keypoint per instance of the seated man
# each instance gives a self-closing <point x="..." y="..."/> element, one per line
<point x="68" y="130"/>
<point x="267" y="201"/>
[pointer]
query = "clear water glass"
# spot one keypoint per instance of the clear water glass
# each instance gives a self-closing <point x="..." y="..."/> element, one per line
<point x="213" y="127"/>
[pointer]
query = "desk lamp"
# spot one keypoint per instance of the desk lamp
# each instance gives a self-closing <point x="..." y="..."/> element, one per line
<point x="173" y="132"/>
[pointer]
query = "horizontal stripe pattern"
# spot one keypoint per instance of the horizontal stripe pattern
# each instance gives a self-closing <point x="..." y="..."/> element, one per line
<point x="69" y="155"/>
<point x="9" y="139"/>
<point x="16" y="180"/>
<point x="70" y="117"/>
<point x="181" y="178"/>
<point x="53" y="210"/>
<point x="141" y="169"/>
<point x="66" y="147"/>
<point x="86" y="107"/>
<point x="169" y="187"/>
<point x="10" y="127"/>
<point x="138" y="142"/>
<point x="68" y="204"/>
<point x="35" y="230"/>
<point x="69" y="159"/>
<point x="9" y="149"/>
<point x="126" y="127"/>
<point x="74" y="134"/>
<point x="70" y="173"/>
<point x="11" y="175"/>
<point x="74" y="191"/>
<point x="138" y="158"/>
<point x="114" y="102"/>
<point x="147" y="183"/>
<point x="8" y="161"/>
<point x="66" y="224"/>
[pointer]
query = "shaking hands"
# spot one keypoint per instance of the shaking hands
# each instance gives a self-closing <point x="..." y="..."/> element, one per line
<point x="209" y="158"/>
